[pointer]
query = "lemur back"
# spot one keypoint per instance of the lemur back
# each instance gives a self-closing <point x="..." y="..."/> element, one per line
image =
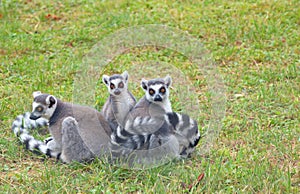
<point x="79" y="132"/>
<point x="120" y="100"/>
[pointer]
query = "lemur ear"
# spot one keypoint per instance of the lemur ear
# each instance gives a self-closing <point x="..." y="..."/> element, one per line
<point x="125" y="76"/>
<point x="50" y="101"/>
<point x="36" y="93"/>
<point x="105" y="79"/>
<point x="168" y="80"/>
<point x="144" y="84"/>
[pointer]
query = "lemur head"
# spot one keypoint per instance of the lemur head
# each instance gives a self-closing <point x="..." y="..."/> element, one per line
<point x="157" y="90"/>
<point x="117" y="83"/>
<point x="43" y="105"/>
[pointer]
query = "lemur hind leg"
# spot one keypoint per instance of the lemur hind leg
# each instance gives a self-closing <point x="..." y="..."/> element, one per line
<point x="73" y="147"/>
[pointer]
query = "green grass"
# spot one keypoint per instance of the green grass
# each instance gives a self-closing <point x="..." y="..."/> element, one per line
<point x="254" y="44"/>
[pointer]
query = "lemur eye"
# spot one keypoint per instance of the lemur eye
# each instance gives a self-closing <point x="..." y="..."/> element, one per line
<point x="162" y="90"/>
<point x="39" y="109"/>
<point x="121" y="85"/>
<point x="151" y="92"/>
<point x="112" y="86"/>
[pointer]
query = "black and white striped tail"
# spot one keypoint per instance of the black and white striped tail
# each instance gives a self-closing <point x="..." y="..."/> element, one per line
<point x="37" y="146"/>
<point x="187" y="131"/>
<point x="134" y="135"/>
<point x="21" y="126"/>
<point x="23" y="122"/>
<point x="124" y="142"/>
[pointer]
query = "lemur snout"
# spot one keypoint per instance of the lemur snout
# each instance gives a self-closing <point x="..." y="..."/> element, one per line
<point x="157" y="98"/>
<point x="117" y="92"/>
<point x="33" y="117"/>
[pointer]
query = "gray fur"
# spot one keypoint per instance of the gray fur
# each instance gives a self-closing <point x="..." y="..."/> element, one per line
<point x="92" y="126"/>
<point x="74" y="148"/>
<point x="146" y="117"/>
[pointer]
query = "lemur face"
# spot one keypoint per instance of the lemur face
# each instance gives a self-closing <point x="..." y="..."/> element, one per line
<point x="43" y="105"/>
<point x="157" y="90"/>
<point x="116" y="84"/>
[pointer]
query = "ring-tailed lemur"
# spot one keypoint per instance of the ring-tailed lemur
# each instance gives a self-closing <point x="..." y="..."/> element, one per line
<point x="79" y="133"/>
<point x="120" y="100"/>
<point x="152" y="123"/>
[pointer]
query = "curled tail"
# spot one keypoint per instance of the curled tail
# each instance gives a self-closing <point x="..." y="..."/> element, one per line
<point x="23" y="123"/>
<point x="135" y="134"/>
<point x="21" y="126"/>
<point x="186" y="130"/>
<point x="151" y="149"/>
<point x="140" y="132"/>
<point x="124" y="142"/>
<point x="38" y="146"/>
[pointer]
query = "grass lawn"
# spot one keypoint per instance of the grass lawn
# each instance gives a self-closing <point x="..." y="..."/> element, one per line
<point x="255" y="46"/>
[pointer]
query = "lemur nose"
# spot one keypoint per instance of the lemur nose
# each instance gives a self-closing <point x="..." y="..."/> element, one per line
<point x="117" y="92"/>
<point x="33" y="117"/>
<point x="157" y="98"/>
